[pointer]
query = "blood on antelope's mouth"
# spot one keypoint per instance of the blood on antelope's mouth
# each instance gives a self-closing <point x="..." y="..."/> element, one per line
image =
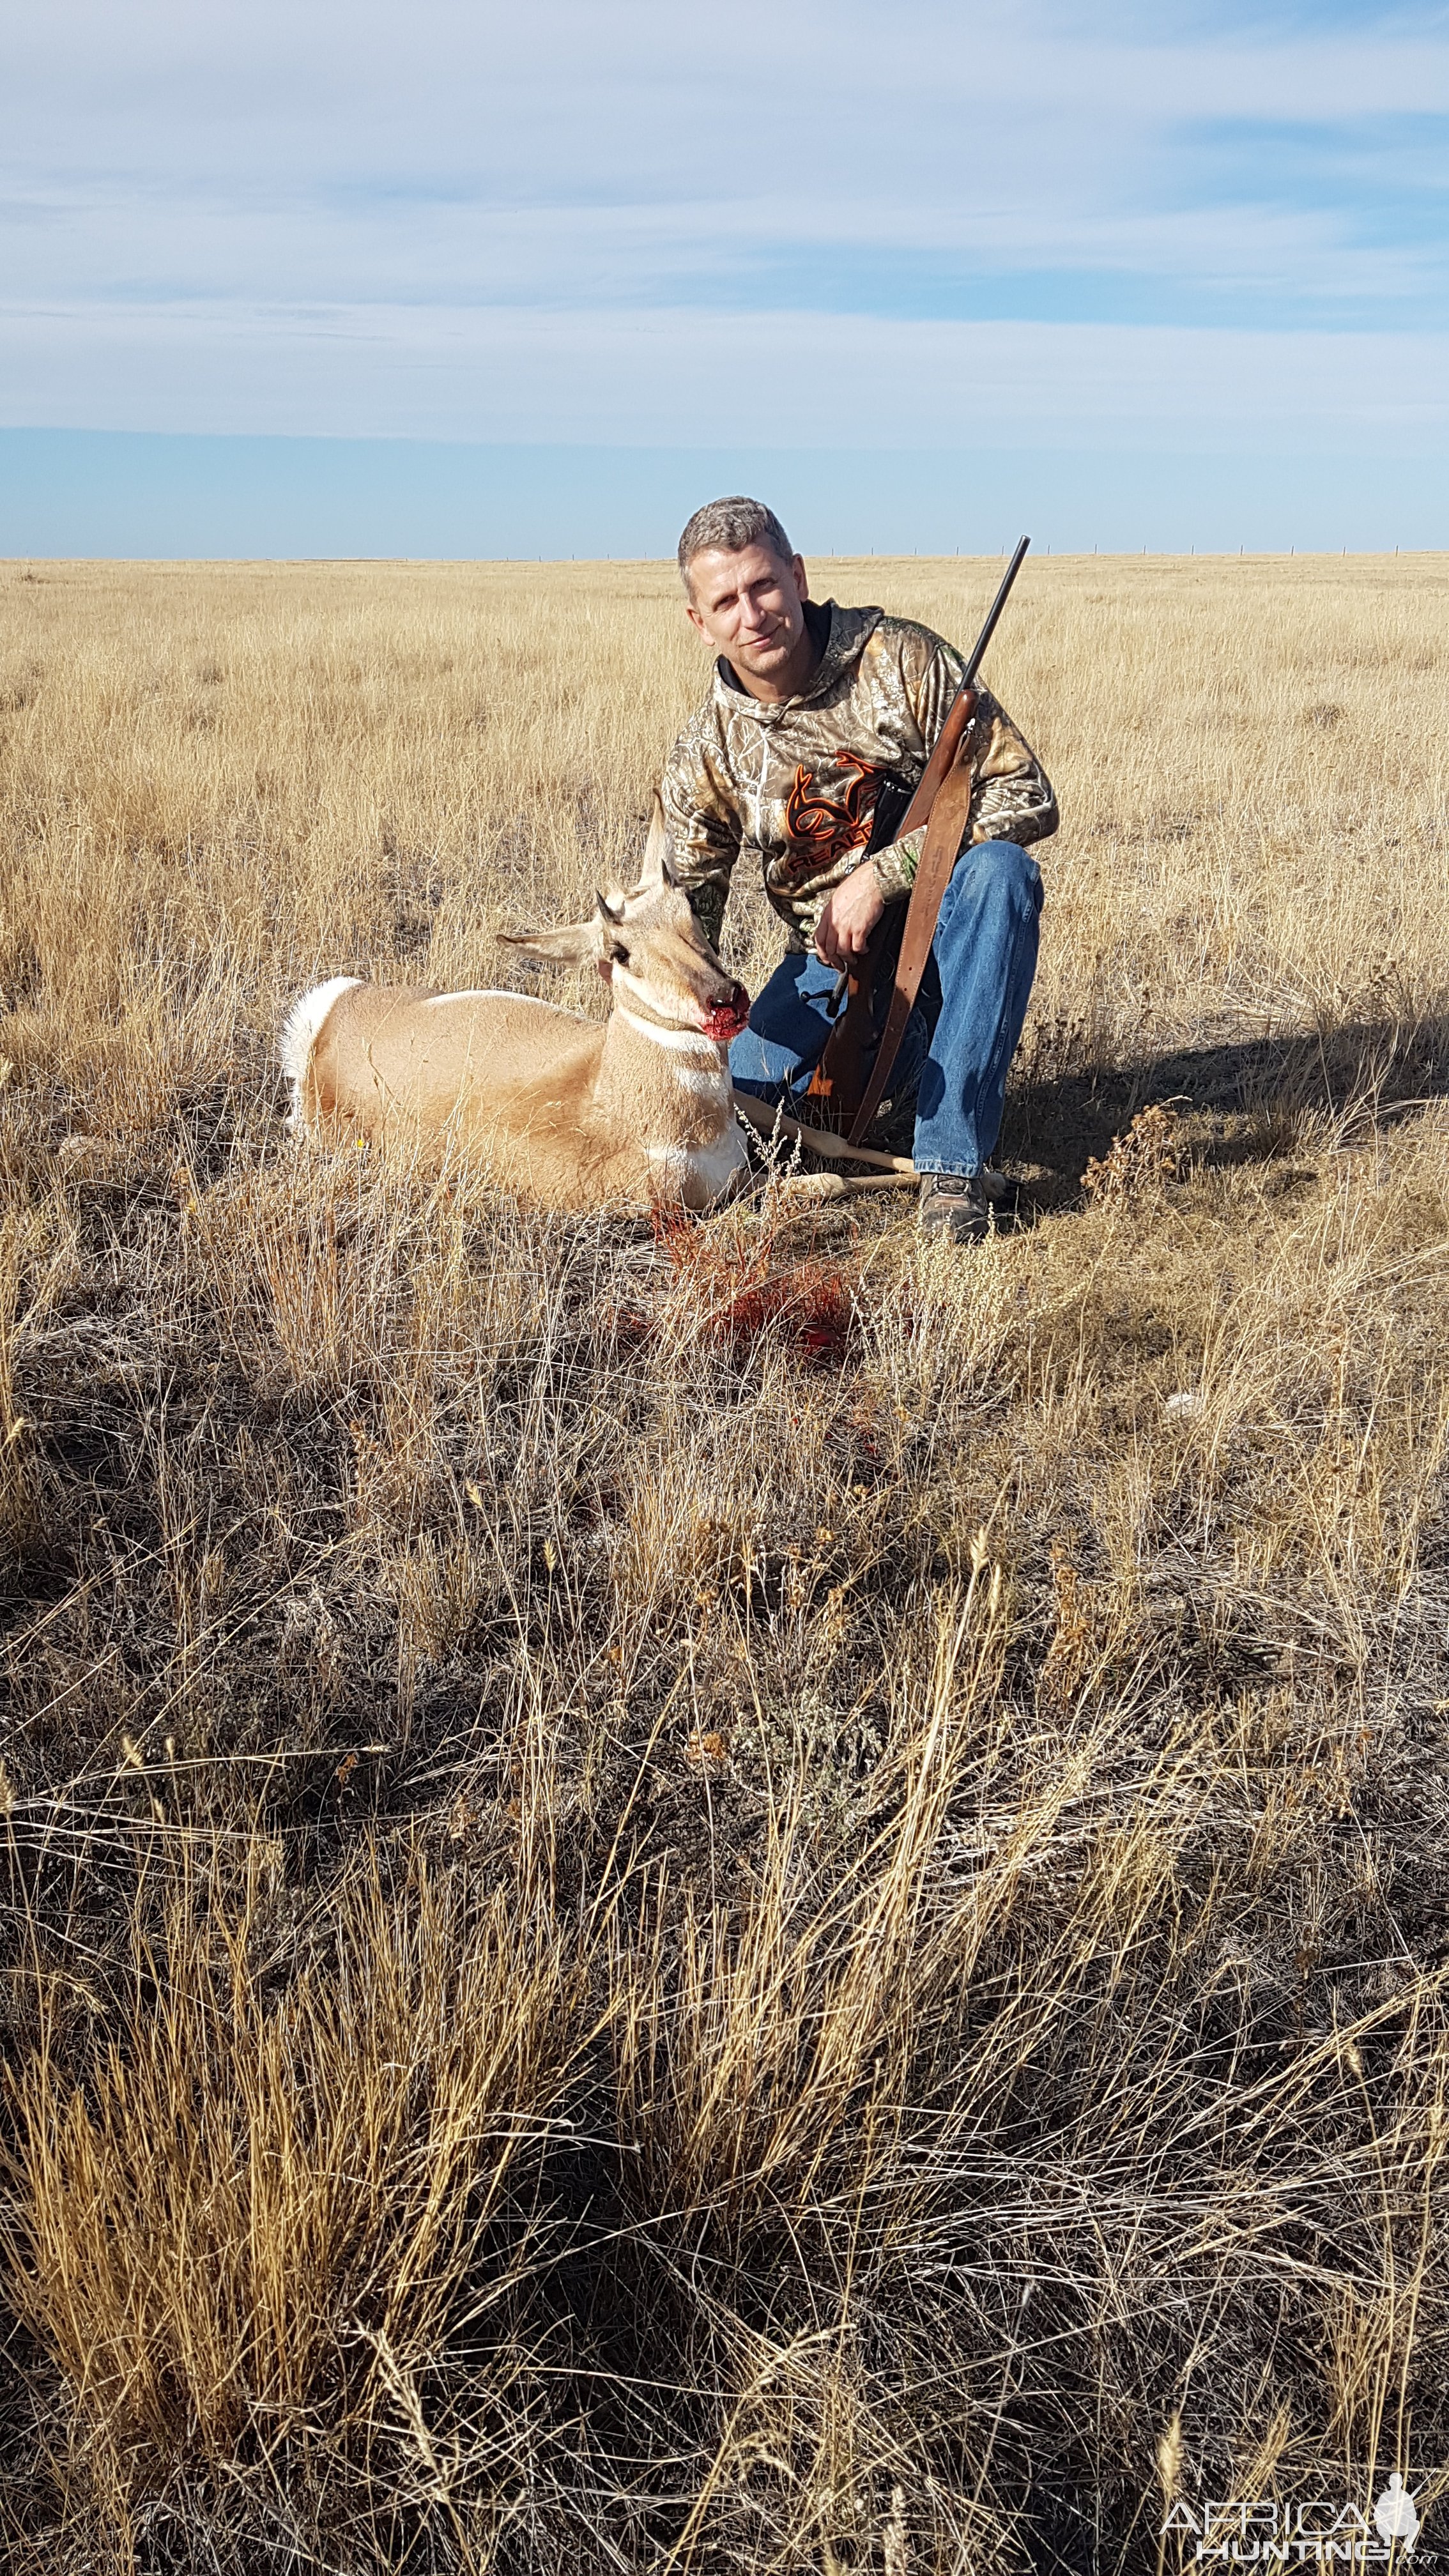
<point x="728" y="1018"/>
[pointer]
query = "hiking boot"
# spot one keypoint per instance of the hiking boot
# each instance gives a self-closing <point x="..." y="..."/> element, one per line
<point x="955" y="1204"/>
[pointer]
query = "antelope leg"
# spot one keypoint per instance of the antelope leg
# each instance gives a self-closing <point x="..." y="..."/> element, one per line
<point x="816" y="1188"/>
<point x="817" y="1140"/>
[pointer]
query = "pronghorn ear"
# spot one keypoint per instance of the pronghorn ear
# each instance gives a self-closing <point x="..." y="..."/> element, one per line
<point x="656" y="870"/>
<point x="576" y="945"/>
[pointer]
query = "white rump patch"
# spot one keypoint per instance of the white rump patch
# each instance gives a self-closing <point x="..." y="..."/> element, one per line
<point x="301" y="1030"/>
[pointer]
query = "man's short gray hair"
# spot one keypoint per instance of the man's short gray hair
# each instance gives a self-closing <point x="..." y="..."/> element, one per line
<point x="731" y="525"/>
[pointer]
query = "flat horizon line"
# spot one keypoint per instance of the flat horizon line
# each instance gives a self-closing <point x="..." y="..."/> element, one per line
<point x="665" y="563"/>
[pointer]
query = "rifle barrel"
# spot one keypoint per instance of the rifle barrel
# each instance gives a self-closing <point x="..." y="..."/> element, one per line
<point x="978" y="654"/>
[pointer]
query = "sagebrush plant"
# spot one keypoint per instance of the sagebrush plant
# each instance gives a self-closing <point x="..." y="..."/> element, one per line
<point x="733" y="1897"/>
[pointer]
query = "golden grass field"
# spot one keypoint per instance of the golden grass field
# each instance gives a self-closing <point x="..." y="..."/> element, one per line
<point x="747" y="1898"/>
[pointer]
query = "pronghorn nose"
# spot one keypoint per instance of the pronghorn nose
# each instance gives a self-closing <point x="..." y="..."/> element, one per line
<point x="727" y="1017"/>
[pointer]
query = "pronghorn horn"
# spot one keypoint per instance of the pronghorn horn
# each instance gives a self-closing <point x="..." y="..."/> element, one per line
<point x="607" y="909"/>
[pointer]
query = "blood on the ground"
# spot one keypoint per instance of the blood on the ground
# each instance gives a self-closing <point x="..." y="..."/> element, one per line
<point x="737" y="1293"/>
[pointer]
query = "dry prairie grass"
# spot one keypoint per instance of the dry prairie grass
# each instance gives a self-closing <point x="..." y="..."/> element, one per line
<point x="755" y="1900"/>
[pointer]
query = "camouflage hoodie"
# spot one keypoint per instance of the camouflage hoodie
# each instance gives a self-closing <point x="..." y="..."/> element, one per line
<point x="812" y="785"/>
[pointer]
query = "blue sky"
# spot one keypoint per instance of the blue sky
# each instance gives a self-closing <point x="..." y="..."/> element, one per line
<point x="449" y="279"/>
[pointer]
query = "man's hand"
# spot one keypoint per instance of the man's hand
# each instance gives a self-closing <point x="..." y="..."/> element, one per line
<point x="849" y="917"/>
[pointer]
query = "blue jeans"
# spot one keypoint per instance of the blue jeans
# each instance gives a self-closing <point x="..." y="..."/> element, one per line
<point x="962" y="1033"/>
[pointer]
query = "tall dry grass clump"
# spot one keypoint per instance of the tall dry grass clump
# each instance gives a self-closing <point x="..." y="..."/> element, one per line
<point x="243" y="2237"/>
<point x="729" y="1897"/>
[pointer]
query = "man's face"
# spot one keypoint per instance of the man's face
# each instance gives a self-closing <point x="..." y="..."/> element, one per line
<point x="751" y="606"/>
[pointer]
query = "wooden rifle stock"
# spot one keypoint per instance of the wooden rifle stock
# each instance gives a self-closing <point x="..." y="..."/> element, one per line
<point x="844" y="1088"/>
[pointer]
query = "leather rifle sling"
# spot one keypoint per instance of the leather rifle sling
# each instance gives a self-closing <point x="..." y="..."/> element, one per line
<point x="949" y="815"/>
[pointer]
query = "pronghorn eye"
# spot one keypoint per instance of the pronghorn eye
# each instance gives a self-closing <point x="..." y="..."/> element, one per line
<point x="618" y="952"/>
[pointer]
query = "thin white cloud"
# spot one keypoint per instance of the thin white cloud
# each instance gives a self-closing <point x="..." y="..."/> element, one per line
<point x="650" y="75"/>
<point x="673" y="378"/>
<point x="112" y="242"/>
<point x="317" y="217"/>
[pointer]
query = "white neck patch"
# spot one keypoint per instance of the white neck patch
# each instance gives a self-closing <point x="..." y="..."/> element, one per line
<point x="641" y="992"/>
<point x="691" y="1041"/>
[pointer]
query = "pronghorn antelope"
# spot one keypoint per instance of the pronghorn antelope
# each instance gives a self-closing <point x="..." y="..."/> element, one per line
<point x="634" y="1110"/>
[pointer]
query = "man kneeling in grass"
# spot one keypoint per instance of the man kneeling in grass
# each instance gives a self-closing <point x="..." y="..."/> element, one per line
<point x="812" y="740"/>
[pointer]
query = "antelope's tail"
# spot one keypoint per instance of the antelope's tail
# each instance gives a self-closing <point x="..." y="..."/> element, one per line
<point x="300" y="1032"/>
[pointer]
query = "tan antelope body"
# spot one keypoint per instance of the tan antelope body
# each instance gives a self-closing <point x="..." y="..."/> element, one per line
<point x="634" y="1110"/>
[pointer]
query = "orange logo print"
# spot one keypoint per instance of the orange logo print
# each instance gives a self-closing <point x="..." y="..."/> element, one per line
<point x="821" y="830"/>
